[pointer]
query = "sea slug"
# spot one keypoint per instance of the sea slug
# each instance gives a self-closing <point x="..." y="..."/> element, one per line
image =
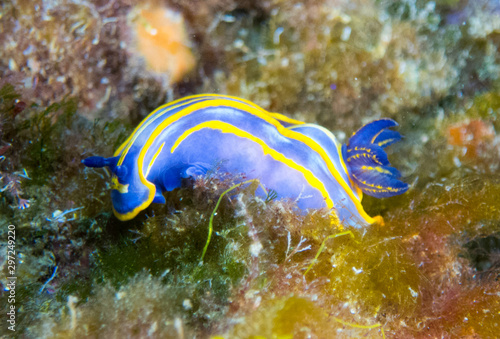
<point x="299" y="161"/>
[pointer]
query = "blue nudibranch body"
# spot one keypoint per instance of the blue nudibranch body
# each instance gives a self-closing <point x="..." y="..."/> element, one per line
<point x="303" y="162"/>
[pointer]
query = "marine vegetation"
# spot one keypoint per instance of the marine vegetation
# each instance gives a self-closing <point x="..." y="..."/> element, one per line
<point x="225" y="255"/>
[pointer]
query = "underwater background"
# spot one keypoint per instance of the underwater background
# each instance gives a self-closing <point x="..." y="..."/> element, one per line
<point x="77" y="76"/>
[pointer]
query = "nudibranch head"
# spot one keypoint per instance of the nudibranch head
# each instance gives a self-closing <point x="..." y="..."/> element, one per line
<point x="129" y="193"/>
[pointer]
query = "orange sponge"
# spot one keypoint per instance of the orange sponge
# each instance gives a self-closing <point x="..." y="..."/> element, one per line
<point x="163" y="42"/>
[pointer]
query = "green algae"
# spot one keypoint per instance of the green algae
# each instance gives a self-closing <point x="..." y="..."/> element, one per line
<point x="486" y="106"/>
<point x="294" y="317"/>
<point x="135" y="309"/>
<point x="373" y="274"/>
<point x="41" y="166"/>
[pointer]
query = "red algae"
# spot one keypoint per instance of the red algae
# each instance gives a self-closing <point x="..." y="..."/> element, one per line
<point x="458" y="311"/>
<point x="474" y="136"/>
<point x="90" y="50"/>
<point x="54" y="49"/>
<point x="454" y="299"/>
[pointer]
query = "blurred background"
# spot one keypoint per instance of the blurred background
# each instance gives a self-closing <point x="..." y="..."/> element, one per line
<point x="77" y="76"/>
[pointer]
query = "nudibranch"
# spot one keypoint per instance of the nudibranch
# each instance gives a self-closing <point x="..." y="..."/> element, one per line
<point x="299" y="161"/>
